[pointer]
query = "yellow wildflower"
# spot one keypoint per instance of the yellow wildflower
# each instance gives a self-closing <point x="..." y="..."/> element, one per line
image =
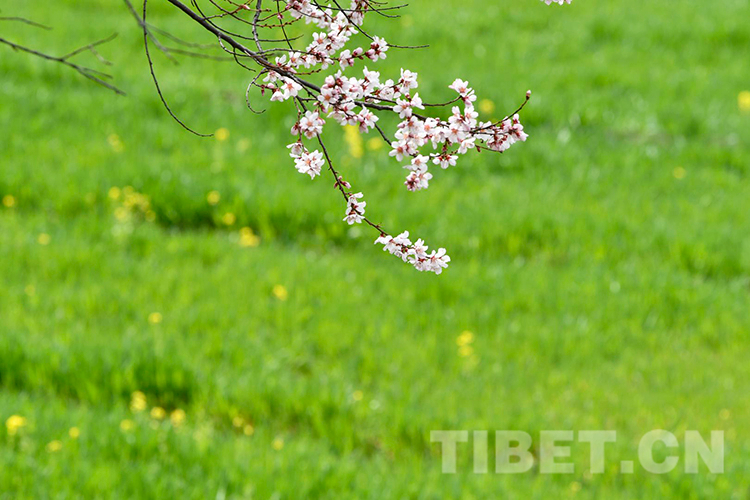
<point x="354" y="140"/>
<point x="137" y="402"/>
<point x="127" y="425"/>
<point x="465" y="338"/>
<point x="14" y="423"/>
<point x="155" y="318"/>
<point x="114" y="193"/>
<point x="375" y="144"/>
<point x="248" y="430"/>
<point x="486" y="106"/>
<point x="280" y="292"/>
<point x="9" y="201"/>
<point x="277" y="443"/>
<point x="679" y="173"/>
<point x="74" y="433"/>
<point x="158" y="413"/>
<point x="177" y="417"/>
<point x="43" y="239"/>
<point x="465" y="351"/>
<point x="54" y="446"/>
<point x="243" y="145"/>
<point x="743" y="100"/>
<point x="248" y="238"/>
<point x="357" y="395"/>
<point x="229" y="219"/>
<point x="121" y="214"/>
<point x="213" y="197"/>
<point x="222" y="134"/>
<point x="116" y="143"/>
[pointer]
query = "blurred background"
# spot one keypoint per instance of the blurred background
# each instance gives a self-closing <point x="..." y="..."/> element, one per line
<point x="187" y="317"/>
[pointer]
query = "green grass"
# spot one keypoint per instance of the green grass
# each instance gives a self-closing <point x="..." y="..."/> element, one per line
<point x="604" y="289"/>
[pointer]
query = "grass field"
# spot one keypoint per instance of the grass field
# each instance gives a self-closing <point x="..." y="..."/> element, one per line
<point x="151" y="348"/>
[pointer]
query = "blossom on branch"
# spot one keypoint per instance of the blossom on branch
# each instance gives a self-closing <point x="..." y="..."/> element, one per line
<point x="424" y="137"/>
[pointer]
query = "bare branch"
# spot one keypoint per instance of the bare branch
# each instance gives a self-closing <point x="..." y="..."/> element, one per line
<point x="95" y="76"/>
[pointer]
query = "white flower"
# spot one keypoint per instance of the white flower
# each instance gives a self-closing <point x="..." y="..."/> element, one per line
<point x="309" y="163"/>
<point x="438" y="261"/>
<point x="404" y="106"/>
<point x="296" y="149"/>
<point x="418" y="162"/>
<point x="290" y="88"/>
<point x="311" y="124"/>
<point x="366" y="119"/>
<point x="355" y="209"/>
<point x="399" y="149"/>
<point x="460" y="86"/>
<point x="418" y="179"/>
<point x="378" y="48"/>
<point x="407" y="81"/>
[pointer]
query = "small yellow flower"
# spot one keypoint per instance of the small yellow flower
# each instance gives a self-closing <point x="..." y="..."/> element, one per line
<point x="357" y="395"/>
<point x="127" y="425"/>
<point x="229" y="218"/>
<point x="137" y="402"/>
<point x="575" y="486"/>
<point x="158" y="413"/>
<point x="486" y="106"/>
<point x="222" y="134"/>
<point x="465" y="338"/>
<point x="74" y="433"/>
<point x="248" y="430"/>
<point x="375" y="144"/>
<point x="243" y="145"/>
<point x="354" y="139"/>
<point x="213" y="197"/>
<point x="43" y="239"/>
<point x="679" y="173"/>
<point x="14" y="423"/>
<point x="248" y="238"/>
<point x="238" y="421"/>
<point x="54" y="446"/>
<point x="743" y="100"/>
<point x="9" y="201"/>
<point x="278" y="443"/>
<point x="114" y="193"/>
<point x="121" y="214"/>
<point x="465" y="351"/>
<point x="116" y="143"/>
<point x="155" y="318"/>
<point x="177" y="417"/>
<point x="280" y="292"/>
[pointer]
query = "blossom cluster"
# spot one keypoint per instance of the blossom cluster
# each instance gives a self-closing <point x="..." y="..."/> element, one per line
<point x="415" y="253"/>
<point x="560" y="2"/>
<point x="457" y="136"/>
<point x="353" y="100"/>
